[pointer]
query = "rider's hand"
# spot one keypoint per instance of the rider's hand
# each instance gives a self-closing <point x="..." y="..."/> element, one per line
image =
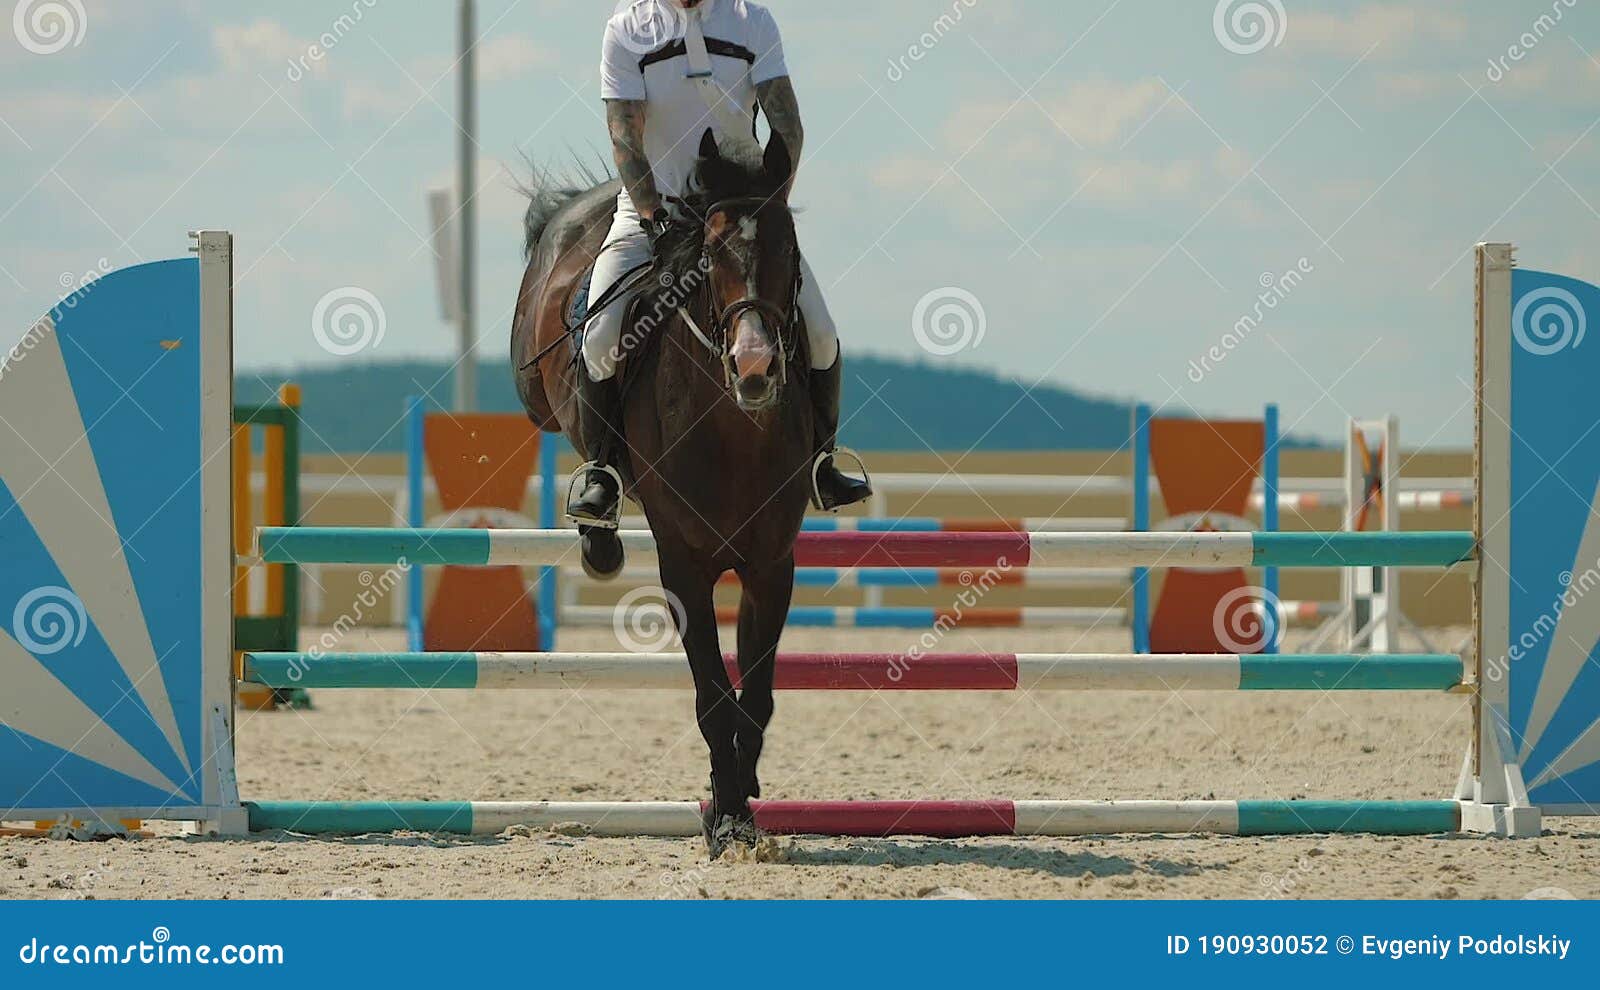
<point x="655" y="227"/>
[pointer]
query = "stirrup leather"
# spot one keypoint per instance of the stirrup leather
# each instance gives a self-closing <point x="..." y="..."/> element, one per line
<point x="816" y="468"/>
<point x="581" y="477"/>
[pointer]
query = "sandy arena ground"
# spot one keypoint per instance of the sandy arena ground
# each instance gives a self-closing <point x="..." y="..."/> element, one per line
<point x="602" y="745"/>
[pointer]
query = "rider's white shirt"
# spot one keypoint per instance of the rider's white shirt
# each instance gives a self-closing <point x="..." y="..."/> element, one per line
<point x="643" y="58"/>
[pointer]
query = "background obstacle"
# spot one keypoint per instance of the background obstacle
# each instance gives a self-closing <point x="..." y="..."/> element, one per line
<point x="1189" y="620"/>
<point x="481" y="464"/>
<point x="270" y="620"/>
<point x="1205" y="470"/>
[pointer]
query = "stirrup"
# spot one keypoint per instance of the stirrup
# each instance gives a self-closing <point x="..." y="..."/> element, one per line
<point x="581" y="477"/>
<point x="816" y="467"/>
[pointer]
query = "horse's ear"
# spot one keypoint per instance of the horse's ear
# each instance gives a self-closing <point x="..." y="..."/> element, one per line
<point x="778" y="163"/>
<point x="708" y="146"/>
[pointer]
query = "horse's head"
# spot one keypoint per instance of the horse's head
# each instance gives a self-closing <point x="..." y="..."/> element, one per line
<point x="749" y="255"/>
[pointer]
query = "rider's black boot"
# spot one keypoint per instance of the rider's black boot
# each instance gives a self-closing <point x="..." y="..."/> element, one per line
<point x="599" y="417"/>
<point x="834" y="488"/>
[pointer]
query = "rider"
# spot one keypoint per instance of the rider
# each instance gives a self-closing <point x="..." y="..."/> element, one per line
<point x="669" y="69"/>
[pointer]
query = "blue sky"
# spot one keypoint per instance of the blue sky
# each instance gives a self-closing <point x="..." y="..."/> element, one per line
<point x="1111" y="183"/>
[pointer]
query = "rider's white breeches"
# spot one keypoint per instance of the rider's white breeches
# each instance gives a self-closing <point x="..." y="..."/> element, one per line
<point x="626" y="248"/>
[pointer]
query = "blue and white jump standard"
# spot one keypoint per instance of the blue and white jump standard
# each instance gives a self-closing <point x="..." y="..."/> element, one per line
<point x="117" y="659"/>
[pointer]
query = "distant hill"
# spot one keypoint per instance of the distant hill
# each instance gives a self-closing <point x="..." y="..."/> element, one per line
<point x="890" y="404"/>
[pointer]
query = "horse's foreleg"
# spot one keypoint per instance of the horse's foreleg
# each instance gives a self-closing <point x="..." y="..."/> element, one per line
<point x="715" y="707"/>
<point x="763" y="610"/>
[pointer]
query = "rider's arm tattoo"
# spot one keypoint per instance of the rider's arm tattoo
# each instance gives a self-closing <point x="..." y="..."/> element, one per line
<point x="625" y="121"/>
<point x="778" y="102"/>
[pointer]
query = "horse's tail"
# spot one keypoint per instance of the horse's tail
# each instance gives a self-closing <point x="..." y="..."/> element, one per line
<point x="548" y="191"/>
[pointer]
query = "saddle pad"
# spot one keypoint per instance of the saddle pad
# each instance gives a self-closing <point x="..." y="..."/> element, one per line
<point x="578" y="307"/>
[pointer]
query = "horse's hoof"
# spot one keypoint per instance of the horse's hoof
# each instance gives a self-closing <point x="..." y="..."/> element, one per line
<point x="730" y="832"/>
<point x="602" y="554"/>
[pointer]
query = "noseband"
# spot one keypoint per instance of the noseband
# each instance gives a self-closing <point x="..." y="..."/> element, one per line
<point x="722" y="323"/>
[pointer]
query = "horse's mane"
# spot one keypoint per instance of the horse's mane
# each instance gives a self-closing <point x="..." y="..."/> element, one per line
<point x="550" y="189"/>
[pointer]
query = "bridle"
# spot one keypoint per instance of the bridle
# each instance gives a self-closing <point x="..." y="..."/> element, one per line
<point x="721" y="323"/>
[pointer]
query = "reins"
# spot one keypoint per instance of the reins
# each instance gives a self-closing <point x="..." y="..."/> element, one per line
<point x="721" y="323"/>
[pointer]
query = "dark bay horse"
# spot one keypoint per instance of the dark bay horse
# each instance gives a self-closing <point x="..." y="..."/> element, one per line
<point x="719" y="460"/>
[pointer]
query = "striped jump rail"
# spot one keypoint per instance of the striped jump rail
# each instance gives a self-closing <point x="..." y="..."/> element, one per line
<point x="1066" y="485"/>
<point x="921" y="617"/>
<point x="877" y="616"/>
<point x="870" y="671"/>
<point x="934" y="524"/>
<point x="1436" y="501"/>
<point x="911" y="577"/>
<point x="869" y="819"/>
<point x="478" y="547"/>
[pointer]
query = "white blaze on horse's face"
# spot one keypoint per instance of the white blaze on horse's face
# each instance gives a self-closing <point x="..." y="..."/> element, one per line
<point x="753" y="350"/>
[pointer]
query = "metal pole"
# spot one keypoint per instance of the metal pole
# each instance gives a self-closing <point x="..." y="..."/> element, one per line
<point x="467" y="363"/>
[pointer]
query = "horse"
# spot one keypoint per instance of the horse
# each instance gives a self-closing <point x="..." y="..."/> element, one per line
<point x="720" y="461"/>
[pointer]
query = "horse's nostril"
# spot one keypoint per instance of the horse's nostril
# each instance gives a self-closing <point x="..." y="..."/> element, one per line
<point x="753" y="390"/>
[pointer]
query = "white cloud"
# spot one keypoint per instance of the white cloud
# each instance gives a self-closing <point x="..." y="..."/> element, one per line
<point x="1128" y="181"/>
<point x="261" y="44"/>
<point x="1096" y="112"/>
<point x="1391" y="27"/>
<point x="512" y="57"/>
